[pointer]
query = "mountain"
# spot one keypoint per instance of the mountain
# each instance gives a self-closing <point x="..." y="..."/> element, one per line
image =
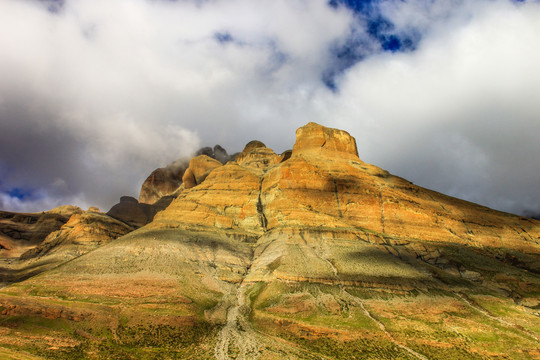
<point x="34" y="243"/>
<point x="309" y="254"/>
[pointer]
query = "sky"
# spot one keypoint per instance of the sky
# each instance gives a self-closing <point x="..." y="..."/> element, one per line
<point x="95" y="94"/>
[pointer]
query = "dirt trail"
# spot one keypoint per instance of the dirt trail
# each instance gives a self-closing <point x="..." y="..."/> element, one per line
<point x="487" y="314"/>
<point x="237" y="338"/>
<point x="323" y="255"/>
<point x="383" y="328"/>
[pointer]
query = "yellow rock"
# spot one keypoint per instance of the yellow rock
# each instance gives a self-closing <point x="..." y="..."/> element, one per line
<point x="315" y="139"/>
<point x="199" y="168"/>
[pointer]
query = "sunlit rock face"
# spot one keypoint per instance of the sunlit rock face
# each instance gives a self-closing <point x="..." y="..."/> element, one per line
<point x="315" y="139"/>
<point x="305" y="254"/>
<point x="165" y="181"/>
<point x="199" y="168"/>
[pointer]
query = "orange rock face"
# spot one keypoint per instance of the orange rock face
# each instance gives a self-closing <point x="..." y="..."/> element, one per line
<point x="199" y="168"/>
<point x="229" y="196"/>
<point x="315" y="139"/>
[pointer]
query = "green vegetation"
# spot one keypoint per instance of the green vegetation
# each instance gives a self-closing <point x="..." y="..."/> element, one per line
<point x="61" y="339"/>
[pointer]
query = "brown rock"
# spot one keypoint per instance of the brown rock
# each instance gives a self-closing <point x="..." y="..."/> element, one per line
<point x="130" y="211"/>
<point x="163" y="181"/>
<point x="66" y="210"/>
<point x="286" y="155"/>
<point x="315" y="139"/>
<point x="20" y="232"/>
<point x="82" y="233"/>
<point x="252" y="145"/>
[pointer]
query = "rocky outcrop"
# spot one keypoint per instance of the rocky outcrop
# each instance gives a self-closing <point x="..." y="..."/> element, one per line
<point x="136" y="214"/>
<point x="22" y="231"/>
<point x="217" y="152"/>
<point x="131" y="212"/>
<point x="165" y="181"/>
<point x="257" y="156"/>
<point x="84" y="231"/>
<point x="235" y="202"/>
<point x="199" y="168"/>
<point x="324" y="183"/>
<point x="315" y="139"/>
<point x="81" y="233"/>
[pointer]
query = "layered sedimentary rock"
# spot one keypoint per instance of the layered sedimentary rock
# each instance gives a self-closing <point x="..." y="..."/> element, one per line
<point x="82" y="232"/>
<point x="199" y="168"/>
<point x="20" y="231"/>
<point x="165" y="181"/>
<point x="306" y="255"/>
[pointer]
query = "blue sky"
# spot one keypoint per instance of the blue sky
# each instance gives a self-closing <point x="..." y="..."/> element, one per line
<point x="96" y="94"/>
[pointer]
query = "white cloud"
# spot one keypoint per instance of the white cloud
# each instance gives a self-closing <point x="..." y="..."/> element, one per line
<point x="460" y="114"/>
<point x="132" y="84"/>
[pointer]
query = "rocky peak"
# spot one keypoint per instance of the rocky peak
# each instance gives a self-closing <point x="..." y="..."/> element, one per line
<point x="166" y="180"/>
<point x="218" y="153"/>
<point x="163" y="181"/>
<point x="257" y="156"/>
<point x="252" y="145"/>
<point x="315" y="139"/>
<point x="130" y="211"/>
<point x="199" y="168"/>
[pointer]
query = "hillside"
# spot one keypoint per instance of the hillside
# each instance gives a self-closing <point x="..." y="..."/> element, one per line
<point x="309" y="254"/>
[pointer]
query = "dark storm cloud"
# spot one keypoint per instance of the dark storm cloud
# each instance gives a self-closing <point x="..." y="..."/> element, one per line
<point x="96" y="94"/>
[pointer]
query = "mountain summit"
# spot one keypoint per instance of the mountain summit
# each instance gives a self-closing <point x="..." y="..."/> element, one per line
<point x="309" y="254"/>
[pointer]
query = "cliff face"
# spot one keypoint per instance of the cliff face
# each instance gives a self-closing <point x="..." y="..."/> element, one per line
<point x="309" y="254"/>
<point x="325" y="185"/>
<point x="166" y="180"/>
